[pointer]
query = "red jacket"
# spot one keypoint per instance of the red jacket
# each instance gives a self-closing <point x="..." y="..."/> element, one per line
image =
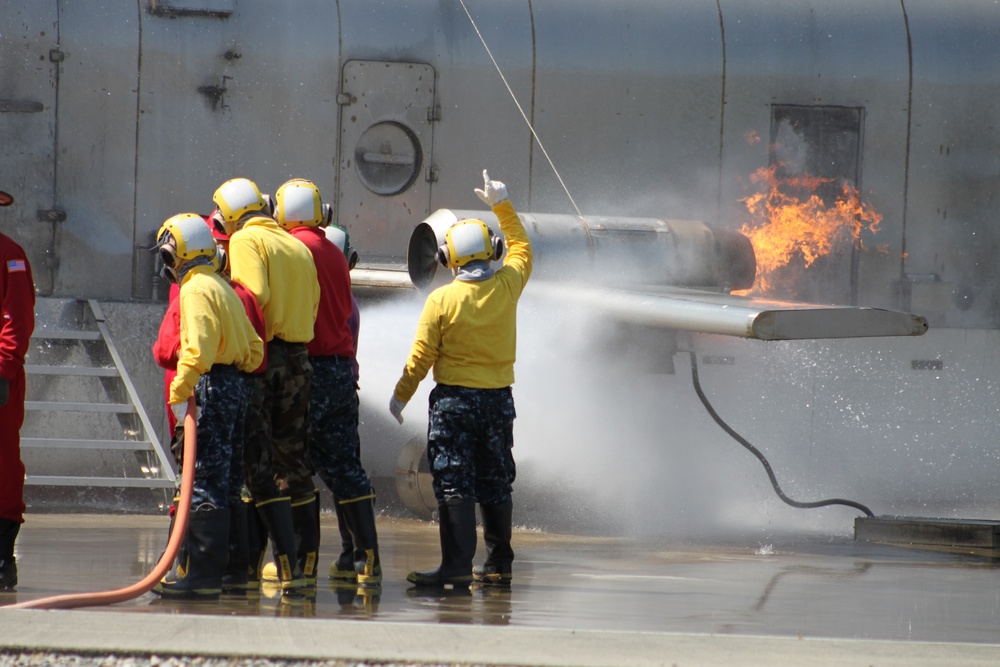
<point x="17" y="306"/>
<point x="331" y="333"/>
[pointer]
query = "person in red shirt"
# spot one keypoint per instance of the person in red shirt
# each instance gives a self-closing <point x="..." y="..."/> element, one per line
<point x="342" y="569"/>
<point x="17" y="308"/>
<point x="334" y="448"/>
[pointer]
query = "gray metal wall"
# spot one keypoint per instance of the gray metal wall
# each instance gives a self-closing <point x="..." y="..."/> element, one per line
<point x="27" y="121"/>
<point x="954" y="167"/>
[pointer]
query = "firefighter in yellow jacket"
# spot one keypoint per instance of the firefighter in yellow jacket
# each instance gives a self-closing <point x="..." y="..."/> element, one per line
<point x="279" y="270"/>
<point x="467" y="334"/>
<point x="217" y="345"/>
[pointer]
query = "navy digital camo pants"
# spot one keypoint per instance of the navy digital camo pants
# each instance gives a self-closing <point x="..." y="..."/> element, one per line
<point x="469" y="439"/>
<point x="277" y="425"/>
<point x="222" y="397"/>
<point x="334" y="449"/>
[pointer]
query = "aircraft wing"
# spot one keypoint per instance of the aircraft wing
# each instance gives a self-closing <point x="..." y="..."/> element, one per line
<point x="381" y="278"/>
<point x="702" y="311"/>
<point x="570" y="254"/>
<point x="732" y="315"/>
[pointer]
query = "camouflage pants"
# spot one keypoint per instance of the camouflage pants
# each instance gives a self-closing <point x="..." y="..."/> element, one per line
<point x="257" y="445"/>
<point x="277" y="425"/>
<point x="334" y="450"/>
<point x="222" y="397"/>
<point x="469" y="439"/>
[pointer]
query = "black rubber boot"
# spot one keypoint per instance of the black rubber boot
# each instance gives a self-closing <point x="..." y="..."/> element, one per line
<point x="359" y="515"/>
<point x="180" y="560"/>
<point x="208" y="551"/>
<point x="256" y="546"/>
<point x="277" y="516"/>
<point x="235" y="580"/>
<point x="305" y="516"/>
<point x="496" y="571"/>
<point x="8" y="564"/>
<point x="457" y="518"/>
<point x="342" y="569"/>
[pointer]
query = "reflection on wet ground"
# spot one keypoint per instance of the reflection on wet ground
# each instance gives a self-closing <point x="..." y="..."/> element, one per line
<point x="798" y="586"/>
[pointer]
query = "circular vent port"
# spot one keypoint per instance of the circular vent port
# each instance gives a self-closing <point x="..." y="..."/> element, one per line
<point x="388" y="158"/>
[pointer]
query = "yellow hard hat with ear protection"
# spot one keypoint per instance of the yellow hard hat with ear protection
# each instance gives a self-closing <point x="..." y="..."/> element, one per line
<point x="299" y="203"/>
<point x="182" y="238"/>
<point x="234" y="199"/>
<point x="468" y="240"/>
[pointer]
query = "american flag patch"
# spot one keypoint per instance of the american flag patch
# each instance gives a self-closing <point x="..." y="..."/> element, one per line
<point x="16" y="265"/>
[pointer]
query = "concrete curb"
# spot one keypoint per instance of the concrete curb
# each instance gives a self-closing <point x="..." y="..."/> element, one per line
<point x="111" y="632"/>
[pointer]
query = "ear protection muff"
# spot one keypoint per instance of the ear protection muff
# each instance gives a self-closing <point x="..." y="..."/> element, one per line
<point x="442" y="256"/>
<point x="168" y="274"/>
<point x="327" y="216"/>
<point x="218" y="222"/>
<point x="223" y="259"/>
<point x="268" y="204"/>
<point x="497" y="244"/>
<point x="167" y="253"/>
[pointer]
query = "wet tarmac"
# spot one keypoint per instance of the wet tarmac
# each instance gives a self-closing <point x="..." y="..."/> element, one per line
<point x="797" y="588"/>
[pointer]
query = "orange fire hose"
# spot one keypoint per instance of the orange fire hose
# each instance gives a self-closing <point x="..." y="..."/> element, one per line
<point x="173" y="544"/>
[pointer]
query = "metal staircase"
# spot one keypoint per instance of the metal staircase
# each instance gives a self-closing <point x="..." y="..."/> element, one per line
<point x="92" y="430"/>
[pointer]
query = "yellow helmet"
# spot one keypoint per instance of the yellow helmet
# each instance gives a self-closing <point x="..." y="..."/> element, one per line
<point x="467" y="240"/>
<point x="234" y="199"/>
<point x="298" y="203"/>
<point x="184" y="238"/>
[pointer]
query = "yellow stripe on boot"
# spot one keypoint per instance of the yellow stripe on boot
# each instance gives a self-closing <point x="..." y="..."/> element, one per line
<point x="372" y="574"/>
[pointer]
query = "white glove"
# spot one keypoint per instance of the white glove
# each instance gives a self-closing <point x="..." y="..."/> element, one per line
<point x="396" y="408"/>
<point x="493" y="192"/>
<point x="180" y="411"/>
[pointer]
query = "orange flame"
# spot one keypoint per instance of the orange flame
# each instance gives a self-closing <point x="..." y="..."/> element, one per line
<point x="785" y="228"/>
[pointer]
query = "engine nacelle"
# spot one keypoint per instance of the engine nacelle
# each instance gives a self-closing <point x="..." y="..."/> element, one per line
<point x="609" y="250"/>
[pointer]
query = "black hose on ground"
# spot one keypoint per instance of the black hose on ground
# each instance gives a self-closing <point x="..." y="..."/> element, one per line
<point x="753" y="450"/>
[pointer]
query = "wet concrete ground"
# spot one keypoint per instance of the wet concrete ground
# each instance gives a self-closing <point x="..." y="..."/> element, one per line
<point x="798" y="587"/>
